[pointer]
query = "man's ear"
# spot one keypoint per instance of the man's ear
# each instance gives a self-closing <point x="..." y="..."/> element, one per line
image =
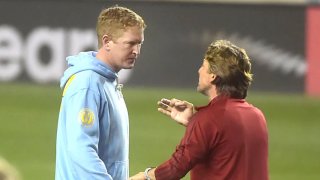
<point x="215" y="79"/>
<point x="106" y="39"/>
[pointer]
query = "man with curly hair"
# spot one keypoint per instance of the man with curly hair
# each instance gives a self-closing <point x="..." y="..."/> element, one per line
<point x="226" y="139"/>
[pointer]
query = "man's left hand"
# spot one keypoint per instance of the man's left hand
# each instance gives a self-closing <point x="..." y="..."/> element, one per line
<point x="139" y="176"/>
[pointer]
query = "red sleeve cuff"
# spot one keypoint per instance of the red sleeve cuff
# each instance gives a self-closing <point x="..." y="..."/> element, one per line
<point x="167" y="171"/>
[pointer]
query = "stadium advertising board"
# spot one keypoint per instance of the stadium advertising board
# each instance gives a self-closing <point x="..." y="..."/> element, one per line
<point x="36" y="36"/>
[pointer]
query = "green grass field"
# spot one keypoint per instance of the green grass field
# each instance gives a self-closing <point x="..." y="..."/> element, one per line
<point x="28" y="117"/>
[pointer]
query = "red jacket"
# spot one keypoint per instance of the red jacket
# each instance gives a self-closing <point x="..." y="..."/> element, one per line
<point x="225" y="140"/>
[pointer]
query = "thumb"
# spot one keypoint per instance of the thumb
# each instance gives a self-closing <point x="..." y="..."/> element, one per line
<point x="185" y="103"/>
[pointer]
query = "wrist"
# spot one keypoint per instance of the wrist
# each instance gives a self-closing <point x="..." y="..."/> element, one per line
<point x="146" y="175"/>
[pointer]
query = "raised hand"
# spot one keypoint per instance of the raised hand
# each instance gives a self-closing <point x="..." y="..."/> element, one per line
<point x="180" y="111"/>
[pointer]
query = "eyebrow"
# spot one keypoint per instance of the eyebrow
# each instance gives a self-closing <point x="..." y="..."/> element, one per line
<point x="134" y="41"/>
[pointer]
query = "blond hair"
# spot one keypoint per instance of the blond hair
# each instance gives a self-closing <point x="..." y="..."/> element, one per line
<point x="115" y="20"/>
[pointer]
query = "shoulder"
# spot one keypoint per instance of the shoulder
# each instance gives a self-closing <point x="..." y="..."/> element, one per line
<point x="206" y="118"/>
<point x="83" y="81"/>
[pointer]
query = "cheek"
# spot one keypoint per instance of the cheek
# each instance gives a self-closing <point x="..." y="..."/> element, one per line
<point x="206" y="78"/>
<point x="125" y="51"/>
<point x="121" y="53"/>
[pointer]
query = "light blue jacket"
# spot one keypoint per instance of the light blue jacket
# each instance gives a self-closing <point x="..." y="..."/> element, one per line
<point x="93" y="128"/>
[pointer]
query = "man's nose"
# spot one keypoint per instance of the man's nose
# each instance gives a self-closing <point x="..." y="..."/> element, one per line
<point x="136" y="49"/>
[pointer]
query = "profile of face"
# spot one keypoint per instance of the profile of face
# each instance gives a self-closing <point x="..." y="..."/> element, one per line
<point x="205" y="78"/>
<point x="124" y="50"/>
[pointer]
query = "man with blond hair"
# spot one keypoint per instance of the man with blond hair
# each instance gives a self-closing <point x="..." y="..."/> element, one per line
<point x="93" y="128"/>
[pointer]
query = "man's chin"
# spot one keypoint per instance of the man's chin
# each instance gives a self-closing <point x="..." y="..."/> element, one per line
<point x="129" y="66"/>
<point x="202" y="91"/>
<point x="199" y="90"/>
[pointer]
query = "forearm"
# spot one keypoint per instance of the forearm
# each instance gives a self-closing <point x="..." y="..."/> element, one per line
<point x="170" y="171"/>
<point x="86" y="162"/>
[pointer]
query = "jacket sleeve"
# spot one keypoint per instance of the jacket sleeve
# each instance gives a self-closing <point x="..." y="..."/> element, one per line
<point x="82" y="127"/>
<point x="192" y="149"/>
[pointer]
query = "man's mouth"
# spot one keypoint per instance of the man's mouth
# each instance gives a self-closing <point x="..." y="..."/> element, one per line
<point x="132" y="60"/>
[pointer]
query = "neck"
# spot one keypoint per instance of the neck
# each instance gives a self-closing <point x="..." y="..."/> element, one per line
<point x="102" y="55"/>
<point x="212" y="93"/>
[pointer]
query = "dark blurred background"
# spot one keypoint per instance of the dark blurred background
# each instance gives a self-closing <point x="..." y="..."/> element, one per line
<point x="36" y="36"/>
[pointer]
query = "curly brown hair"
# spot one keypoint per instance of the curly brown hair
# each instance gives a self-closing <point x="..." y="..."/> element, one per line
<point x="232" y="68"/>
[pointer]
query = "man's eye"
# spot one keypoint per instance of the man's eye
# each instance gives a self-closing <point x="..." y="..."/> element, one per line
<point x="131" y="43"/>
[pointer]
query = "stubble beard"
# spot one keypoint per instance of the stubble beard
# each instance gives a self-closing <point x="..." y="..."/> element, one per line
<point x="202" y="90"/>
